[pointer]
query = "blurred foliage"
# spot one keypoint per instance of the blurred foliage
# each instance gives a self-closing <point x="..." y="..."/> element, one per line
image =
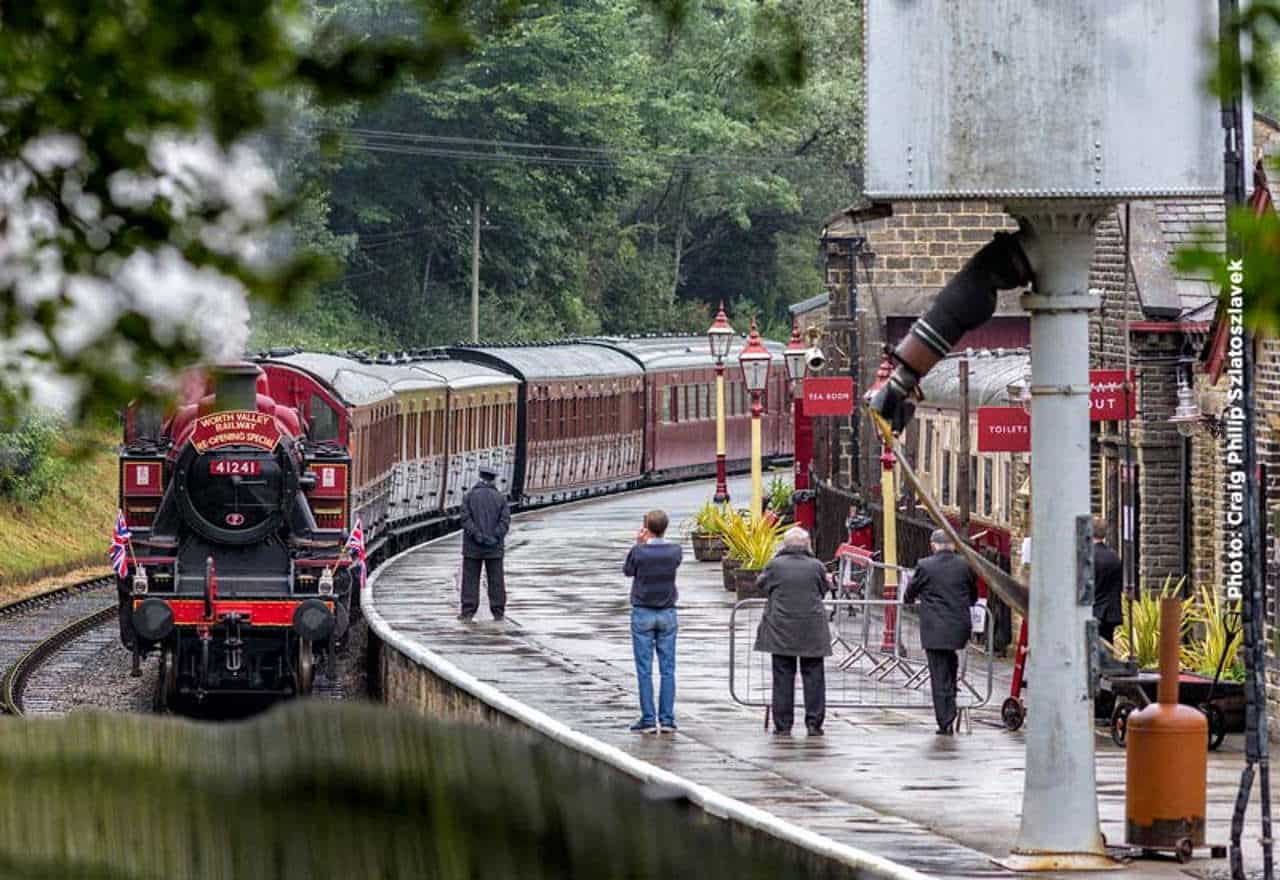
<point x="778" y="495"/>
<point x="316" y="790"/>
<point x="1217" y="636"/>
<point x="751" y="540"/>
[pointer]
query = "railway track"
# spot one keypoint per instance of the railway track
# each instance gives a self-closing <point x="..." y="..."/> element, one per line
<point x="26" y="625"/>
<point x="52" y="643"/>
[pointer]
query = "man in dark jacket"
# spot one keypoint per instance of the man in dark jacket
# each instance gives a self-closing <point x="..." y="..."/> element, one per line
<point x="946" y="589"/>
<point x="486" y="517"/>
<point x="794" y="626"/>
<point x="1108" y="582"/>
<point x="651" y="564"/>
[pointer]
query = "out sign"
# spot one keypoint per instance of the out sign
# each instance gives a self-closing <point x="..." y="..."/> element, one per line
<point x="1108" y="401"/>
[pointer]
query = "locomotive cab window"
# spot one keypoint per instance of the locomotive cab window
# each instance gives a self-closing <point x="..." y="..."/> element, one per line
<point x="324" y="420"/>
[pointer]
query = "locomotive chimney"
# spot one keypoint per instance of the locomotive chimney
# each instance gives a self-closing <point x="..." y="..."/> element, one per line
<point x="235" y="387"/>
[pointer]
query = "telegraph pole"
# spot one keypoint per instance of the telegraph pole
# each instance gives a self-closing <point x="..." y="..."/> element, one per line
<point x="475" y="271"/>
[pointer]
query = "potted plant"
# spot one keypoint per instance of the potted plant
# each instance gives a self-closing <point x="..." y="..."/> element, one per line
<point x="752" y="542"/>
<point x="779" y="499"/>
<point x="1142" y="616"/>
<point x="708" y="524"/>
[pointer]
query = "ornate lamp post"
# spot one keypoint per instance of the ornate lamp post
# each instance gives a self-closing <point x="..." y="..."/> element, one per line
<point x="755" y="360"/>
<point x="795" y="355"/>
<point x="720" y="337"/>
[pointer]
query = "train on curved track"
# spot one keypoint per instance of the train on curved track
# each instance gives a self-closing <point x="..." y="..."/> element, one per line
<point x="241" y="500"/>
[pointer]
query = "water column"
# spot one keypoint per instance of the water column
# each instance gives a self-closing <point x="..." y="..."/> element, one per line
<point x="1059" y="803"/>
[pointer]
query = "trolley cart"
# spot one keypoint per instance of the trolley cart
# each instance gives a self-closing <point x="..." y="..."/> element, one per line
<point x="1013" y="712"/>
<point x="1218" y="700"/>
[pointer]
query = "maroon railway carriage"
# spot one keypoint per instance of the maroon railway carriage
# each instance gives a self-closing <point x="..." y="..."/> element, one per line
<point x="680" y="405"/>
<point x="580" y="425"/>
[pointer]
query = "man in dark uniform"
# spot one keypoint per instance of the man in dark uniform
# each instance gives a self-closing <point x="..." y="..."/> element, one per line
<point x="1108" y="582"/>
<point x="946" y="589"/>
<point x="486" y="516"/>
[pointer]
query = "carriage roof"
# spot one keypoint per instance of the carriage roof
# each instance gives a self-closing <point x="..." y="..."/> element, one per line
<point x="553" y="360"/>
<point x="991" y="371"/>
<point x="356" y="383"/>
<point x="676" y="352"/>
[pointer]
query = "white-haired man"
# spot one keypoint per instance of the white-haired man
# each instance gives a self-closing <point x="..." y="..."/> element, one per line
<point x="794" y="627"/>
<point x="946" y="589"/>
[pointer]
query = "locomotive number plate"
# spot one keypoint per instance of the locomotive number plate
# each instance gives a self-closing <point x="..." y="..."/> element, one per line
<point x="234" y="467"/>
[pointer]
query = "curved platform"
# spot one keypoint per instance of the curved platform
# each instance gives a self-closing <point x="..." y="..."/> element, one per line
<point x="880" y="792"/>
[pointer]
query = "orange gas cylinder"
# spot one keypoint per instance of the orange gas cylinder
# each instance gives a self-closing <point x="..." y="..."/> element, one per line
<point x="1166" y="764"/>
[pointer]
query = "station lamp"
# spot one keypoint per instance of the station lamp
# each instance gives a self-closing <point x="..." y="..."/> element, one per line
<point x="1020" y="392"/>
<point x="1186" y="415"/>
<point x="720" y="338"/>
<point x="755" y="360"/>
<point x="795" y="354"/>
<point x="720" y="335"/>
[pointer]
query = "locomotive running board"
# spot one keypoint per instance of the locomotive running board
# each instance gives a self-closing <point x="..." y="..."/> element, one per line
<point x="1011" y="590"/>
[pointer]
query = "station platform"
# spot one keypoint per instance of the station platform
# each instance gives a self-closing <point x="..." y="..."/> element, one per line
<point x="881" y="780"/>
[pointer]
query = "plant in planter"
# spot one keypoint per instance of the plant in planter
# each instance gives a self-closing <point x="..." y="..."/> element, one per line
<point x="707" y="528"/>
<point x="779" y="498"/>
<point x="752" y="543"/>
<point x="1144" y="612"/>
<point x="1215" y="645"/>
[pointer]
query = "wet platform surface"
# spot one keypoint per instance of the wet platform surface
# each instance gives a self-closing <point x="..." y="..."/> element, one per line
<point x="880" y="780"/>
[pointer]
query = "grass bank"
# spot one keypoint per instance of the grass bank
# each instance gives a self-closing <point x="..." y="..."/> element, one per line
<point x="69" y="528"/>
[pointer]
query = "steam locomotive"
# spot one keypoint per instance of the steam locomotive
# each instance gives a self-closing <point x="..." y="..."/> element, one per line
<point x="241" y="501"/>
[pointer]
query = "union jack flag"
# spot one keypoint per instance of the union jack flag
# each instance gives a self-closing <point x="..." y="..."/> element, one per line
<point x="355" y="541"/>
<point x="120" y="546"/>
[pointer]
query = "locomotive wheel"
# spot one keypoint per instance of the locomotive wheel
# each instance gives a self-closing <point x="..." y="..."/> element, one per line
<point x="1217" y="724"/>
<point x="1120" y="723"/>
<point x="166" y="681"/>
<point x="1012" y="713"/>
<point x="306" y="667"/>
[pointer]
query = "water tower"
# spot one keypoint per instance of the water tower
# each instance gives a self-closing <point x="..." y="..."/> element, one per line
<point x="1059" y="110"/>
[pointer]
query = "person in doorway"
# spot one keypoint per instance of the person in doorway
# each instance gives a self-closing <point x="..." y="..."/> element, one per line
<point x="486" y="517"/>
<point x="651" y="564"/>
<point x="1108" y="583"/>
<point x="794" y="628"/>
<point x="946" y="589"/>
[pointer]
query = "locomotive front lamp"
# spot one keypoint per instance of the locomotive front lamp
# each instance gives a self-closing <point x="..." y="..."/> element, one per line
<point x="325" y="587"/>
<point x="140" y="584"/>
<point x="720" y="338"/>
<point x="720" y="335"/>
<point x="795" y="355"/>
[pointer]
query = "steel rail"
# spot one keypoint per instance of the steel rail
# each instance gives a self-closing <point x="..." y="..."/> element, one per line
<point x="14" y="683"/>
<point x="53" y="595"/>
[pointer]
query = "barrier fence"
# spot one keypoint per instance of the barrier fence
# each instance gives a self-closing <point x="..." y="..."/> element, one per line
<point x="876" y="658"/>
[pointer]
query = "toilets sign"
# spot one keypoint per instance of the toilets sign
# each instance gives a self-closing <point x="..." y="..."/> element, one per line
<point x="1008" y="428"/>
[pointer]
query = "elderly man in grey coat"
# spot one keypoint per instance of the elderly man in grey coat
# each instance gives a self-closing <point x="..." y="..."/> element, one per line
<point x="945" y="587"/>
<point x="794" y="627"/>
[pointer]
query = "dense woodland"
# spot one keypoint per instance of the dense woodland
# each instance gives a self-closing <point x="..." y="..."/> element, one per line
<point x="630" y="174"/>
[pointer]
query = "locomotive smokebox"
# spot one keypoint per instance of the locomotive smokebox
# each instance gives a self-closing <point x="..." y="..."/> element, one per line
<point x="1166" y="759"/>
<point x="235" y="387"/>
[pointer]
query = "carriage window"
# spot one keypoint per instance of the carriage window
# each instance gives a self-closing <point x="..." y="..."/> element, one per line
<point x="324" y="421"/>
<point x="946" y="477"/>
<point x="1008" y="488"/>
<point x="664" y="405"/>
<point x="704" y="402"/>
<point x="926" y="450"/>
<point x="973" y="482"/>
<point x="988" y="488"/>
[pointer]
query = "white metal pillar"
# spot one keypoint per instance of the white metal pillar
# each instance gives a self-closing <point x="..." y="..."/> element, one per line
<point x="1059" y="803"/>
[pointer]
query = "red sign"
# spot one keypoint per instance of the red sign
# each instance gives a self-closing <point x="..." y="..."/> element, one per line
<point x="235" y="428"/>
<point x="235" y="467"/>
<point x="1107" y="396"/>
<point x="828" y="396"/>
<point x="1003" y="429"/>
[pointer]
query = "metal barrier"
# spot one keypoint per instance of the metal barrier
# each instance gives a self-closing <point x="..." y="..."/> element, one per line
<point x="876" y="662"/>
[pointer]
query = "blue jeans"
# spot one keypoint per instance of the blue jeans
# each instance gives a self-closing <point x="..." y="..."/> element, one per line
<point x="655" y="630"/>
